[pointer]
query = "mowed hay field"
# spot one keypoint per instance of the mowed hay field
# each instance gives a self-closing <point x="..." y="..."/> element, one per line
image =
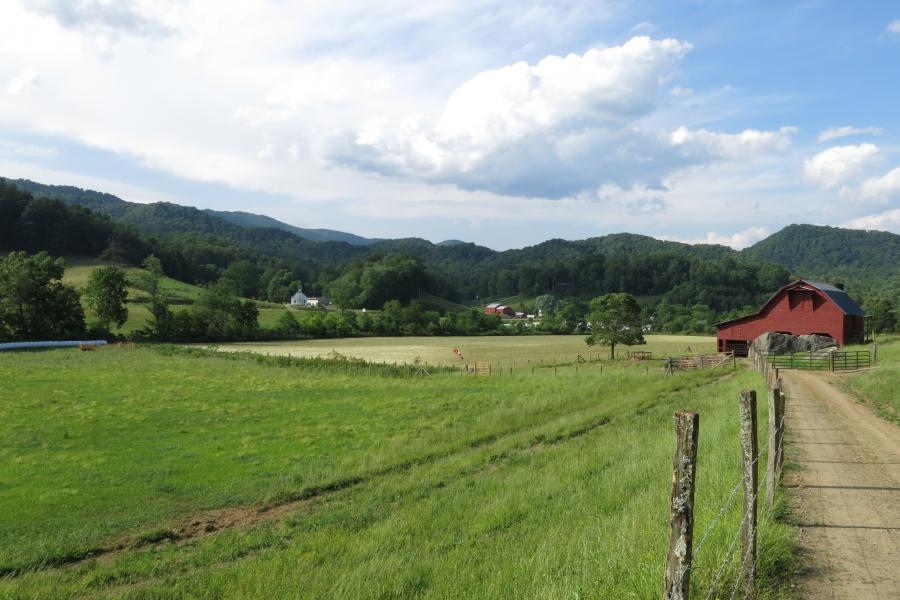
<point x="166" y="472"/>
<point x="505" y="351"/>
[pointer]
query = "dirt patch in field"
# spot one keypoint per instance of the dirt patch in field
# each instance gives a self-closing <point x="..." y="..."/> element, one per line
<point x="846" y="496"/>
<point x="227" y="518"/>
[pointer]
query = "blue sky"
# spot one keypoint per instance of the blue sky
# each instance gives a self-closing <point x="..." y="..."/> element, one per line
<point x="503" y="123"/>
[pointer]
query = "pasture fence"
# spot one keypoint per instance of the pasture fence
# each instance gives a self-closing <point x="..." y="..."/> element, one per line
<point x="681" y="553"/>
<point x="823" y="360"/>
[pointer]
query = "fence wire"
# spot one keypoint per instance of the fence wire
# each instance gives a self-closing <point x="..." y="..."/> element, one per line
<point x="718" y="518"/>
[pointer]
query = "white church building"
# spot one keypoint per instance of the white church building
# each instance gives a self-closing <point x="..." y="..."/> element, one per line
<point x="299" y="299"/>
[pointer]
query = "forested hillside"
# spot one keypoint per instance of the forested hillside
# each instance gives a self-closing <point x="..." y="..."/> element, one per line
<point x="821" y="251"/>
<point x="684" y="287"/>
<point x="245" y="219"/>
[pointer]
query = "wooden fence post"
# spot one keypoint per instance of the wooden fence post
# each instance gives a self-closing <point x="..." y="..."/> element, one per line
<point x="684" y="479"/>
<point x="779" y="454"/>
<point x="749" y="454"/>
<point x="776" y="437"/>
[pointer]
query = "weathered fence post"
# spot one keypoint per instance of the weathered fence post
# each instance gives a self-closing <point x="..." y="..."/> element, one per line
<point x="779" y="454"/>
<point x="776" y="438"/>
<point x="684" y="479"/>
<point x="749" y="454"/>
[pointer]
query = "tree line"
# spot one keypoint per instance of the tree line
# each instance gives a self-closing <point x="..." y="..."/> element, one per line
<point x="680" y="288"/>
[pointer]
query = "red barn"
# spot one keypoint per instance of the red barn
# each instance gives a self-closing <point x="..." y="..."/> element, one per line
<point x="799" y="308"/>
<point x="499" y="309"/>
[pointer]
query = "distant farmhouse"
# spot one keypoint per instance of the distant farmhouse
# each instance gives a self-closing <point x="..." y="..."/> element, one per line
<point x="499" y="309"/>
<point x="799" y="308"/>
<point x="301" y="299"/>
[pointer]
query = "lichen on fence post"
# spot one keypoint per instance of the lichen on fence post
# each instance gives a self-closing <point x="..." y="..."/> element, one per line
<point x="749" y="455"/>
<point x="684" y="480"/>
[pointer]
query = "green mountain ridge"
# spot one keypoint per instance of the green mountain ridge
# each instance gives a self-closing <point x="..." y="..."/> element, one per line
<point x="246" y="219"/>
<point x="812" y="251"/>
<point x="166" y="217"/>
<point x="823" y="251"/>
<point x="198" y="245"/>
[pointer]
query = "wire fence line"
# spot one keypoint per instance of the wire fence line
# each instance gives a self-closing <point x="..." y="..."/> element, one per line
<point x="677" y="579"/>
<point x="729" y="553"/>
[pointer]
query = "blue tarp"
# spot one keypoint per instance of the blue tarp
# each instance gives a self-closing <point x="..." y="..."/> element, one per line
<point x="31" y="345"/>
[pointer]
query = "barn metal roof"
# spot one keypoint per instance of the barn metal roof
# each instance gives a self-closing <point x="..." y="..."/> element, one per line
<point x="839" y="297"/>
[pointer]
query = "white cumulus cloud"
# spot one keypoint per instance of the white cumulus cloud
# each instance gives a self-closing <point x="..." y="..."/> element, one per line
<point x="552" y="129"/>
<point x="894" y="27"/>
<point x="837" y="164"/>
<point x="21" y="82"/>
<point x="731" y="145"/>
<point x="136" y="16"/>
<point x="882" y="188"/>
<point x="833" y="133"/>
<point x="888" y="220"/>
<point x="739" y="240"/>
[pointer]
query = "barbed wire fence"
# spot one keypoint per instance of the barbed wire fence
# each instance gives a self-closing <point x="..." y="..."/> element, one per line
<point x="681" y="558"/>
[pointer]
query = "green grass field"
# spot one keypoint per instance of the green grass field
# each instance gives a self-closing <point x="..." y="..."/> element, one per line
<point x="879" y="387"/>
<point x="519" y="352"/>
<point x="340" y="480"/>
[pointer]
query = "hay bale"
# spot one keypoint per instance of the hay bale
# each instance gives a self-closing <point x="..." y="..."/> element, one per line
<point x="783" y="343"/>
<point x="815" y="342"/>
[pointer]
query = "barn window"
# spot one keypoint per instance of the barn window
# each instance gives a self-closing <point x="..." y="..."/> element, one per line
<point x="801" y="300"/>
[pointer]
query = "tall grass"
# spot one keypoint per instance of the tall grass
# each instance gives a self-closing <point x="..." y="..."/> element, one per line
<point x="439" y="486"/>
<point x="880" y="387"/>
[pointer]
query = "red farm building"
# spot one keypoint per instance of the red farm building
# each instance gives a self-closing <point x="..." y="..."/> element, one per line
<point x="799" y="308"/>
<point x="499" y="309"/>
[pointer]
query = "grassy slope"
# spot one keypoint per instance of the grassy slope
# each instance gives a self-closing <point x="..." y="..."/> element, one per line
<point x="520" y="352"/>
<point x="465" y="487"/>
<point x="78" y="269"/>
<point x="880" y="387"/>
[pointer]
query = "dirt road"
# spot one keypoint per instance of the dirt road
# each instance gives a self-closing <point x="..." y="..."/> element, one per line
<point x="846" y="495"/>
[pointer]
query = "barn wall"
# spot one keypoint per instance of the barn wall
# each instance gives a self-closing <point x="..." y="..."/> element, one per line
<point x="820" y="315"/>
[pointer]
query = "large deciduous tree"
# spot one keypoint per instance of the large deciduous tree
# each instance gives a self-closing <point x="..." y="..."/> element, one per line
<point x="882" y="316"/>
<point x="150" y="281"/>
<point x="243" y="277"/>
<point x="106" y="293"/>
<point x="34" y="303"/>
<point x="224" y="314"/>
<point x="615" y="319"/>
<point x="379" y="279"/>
